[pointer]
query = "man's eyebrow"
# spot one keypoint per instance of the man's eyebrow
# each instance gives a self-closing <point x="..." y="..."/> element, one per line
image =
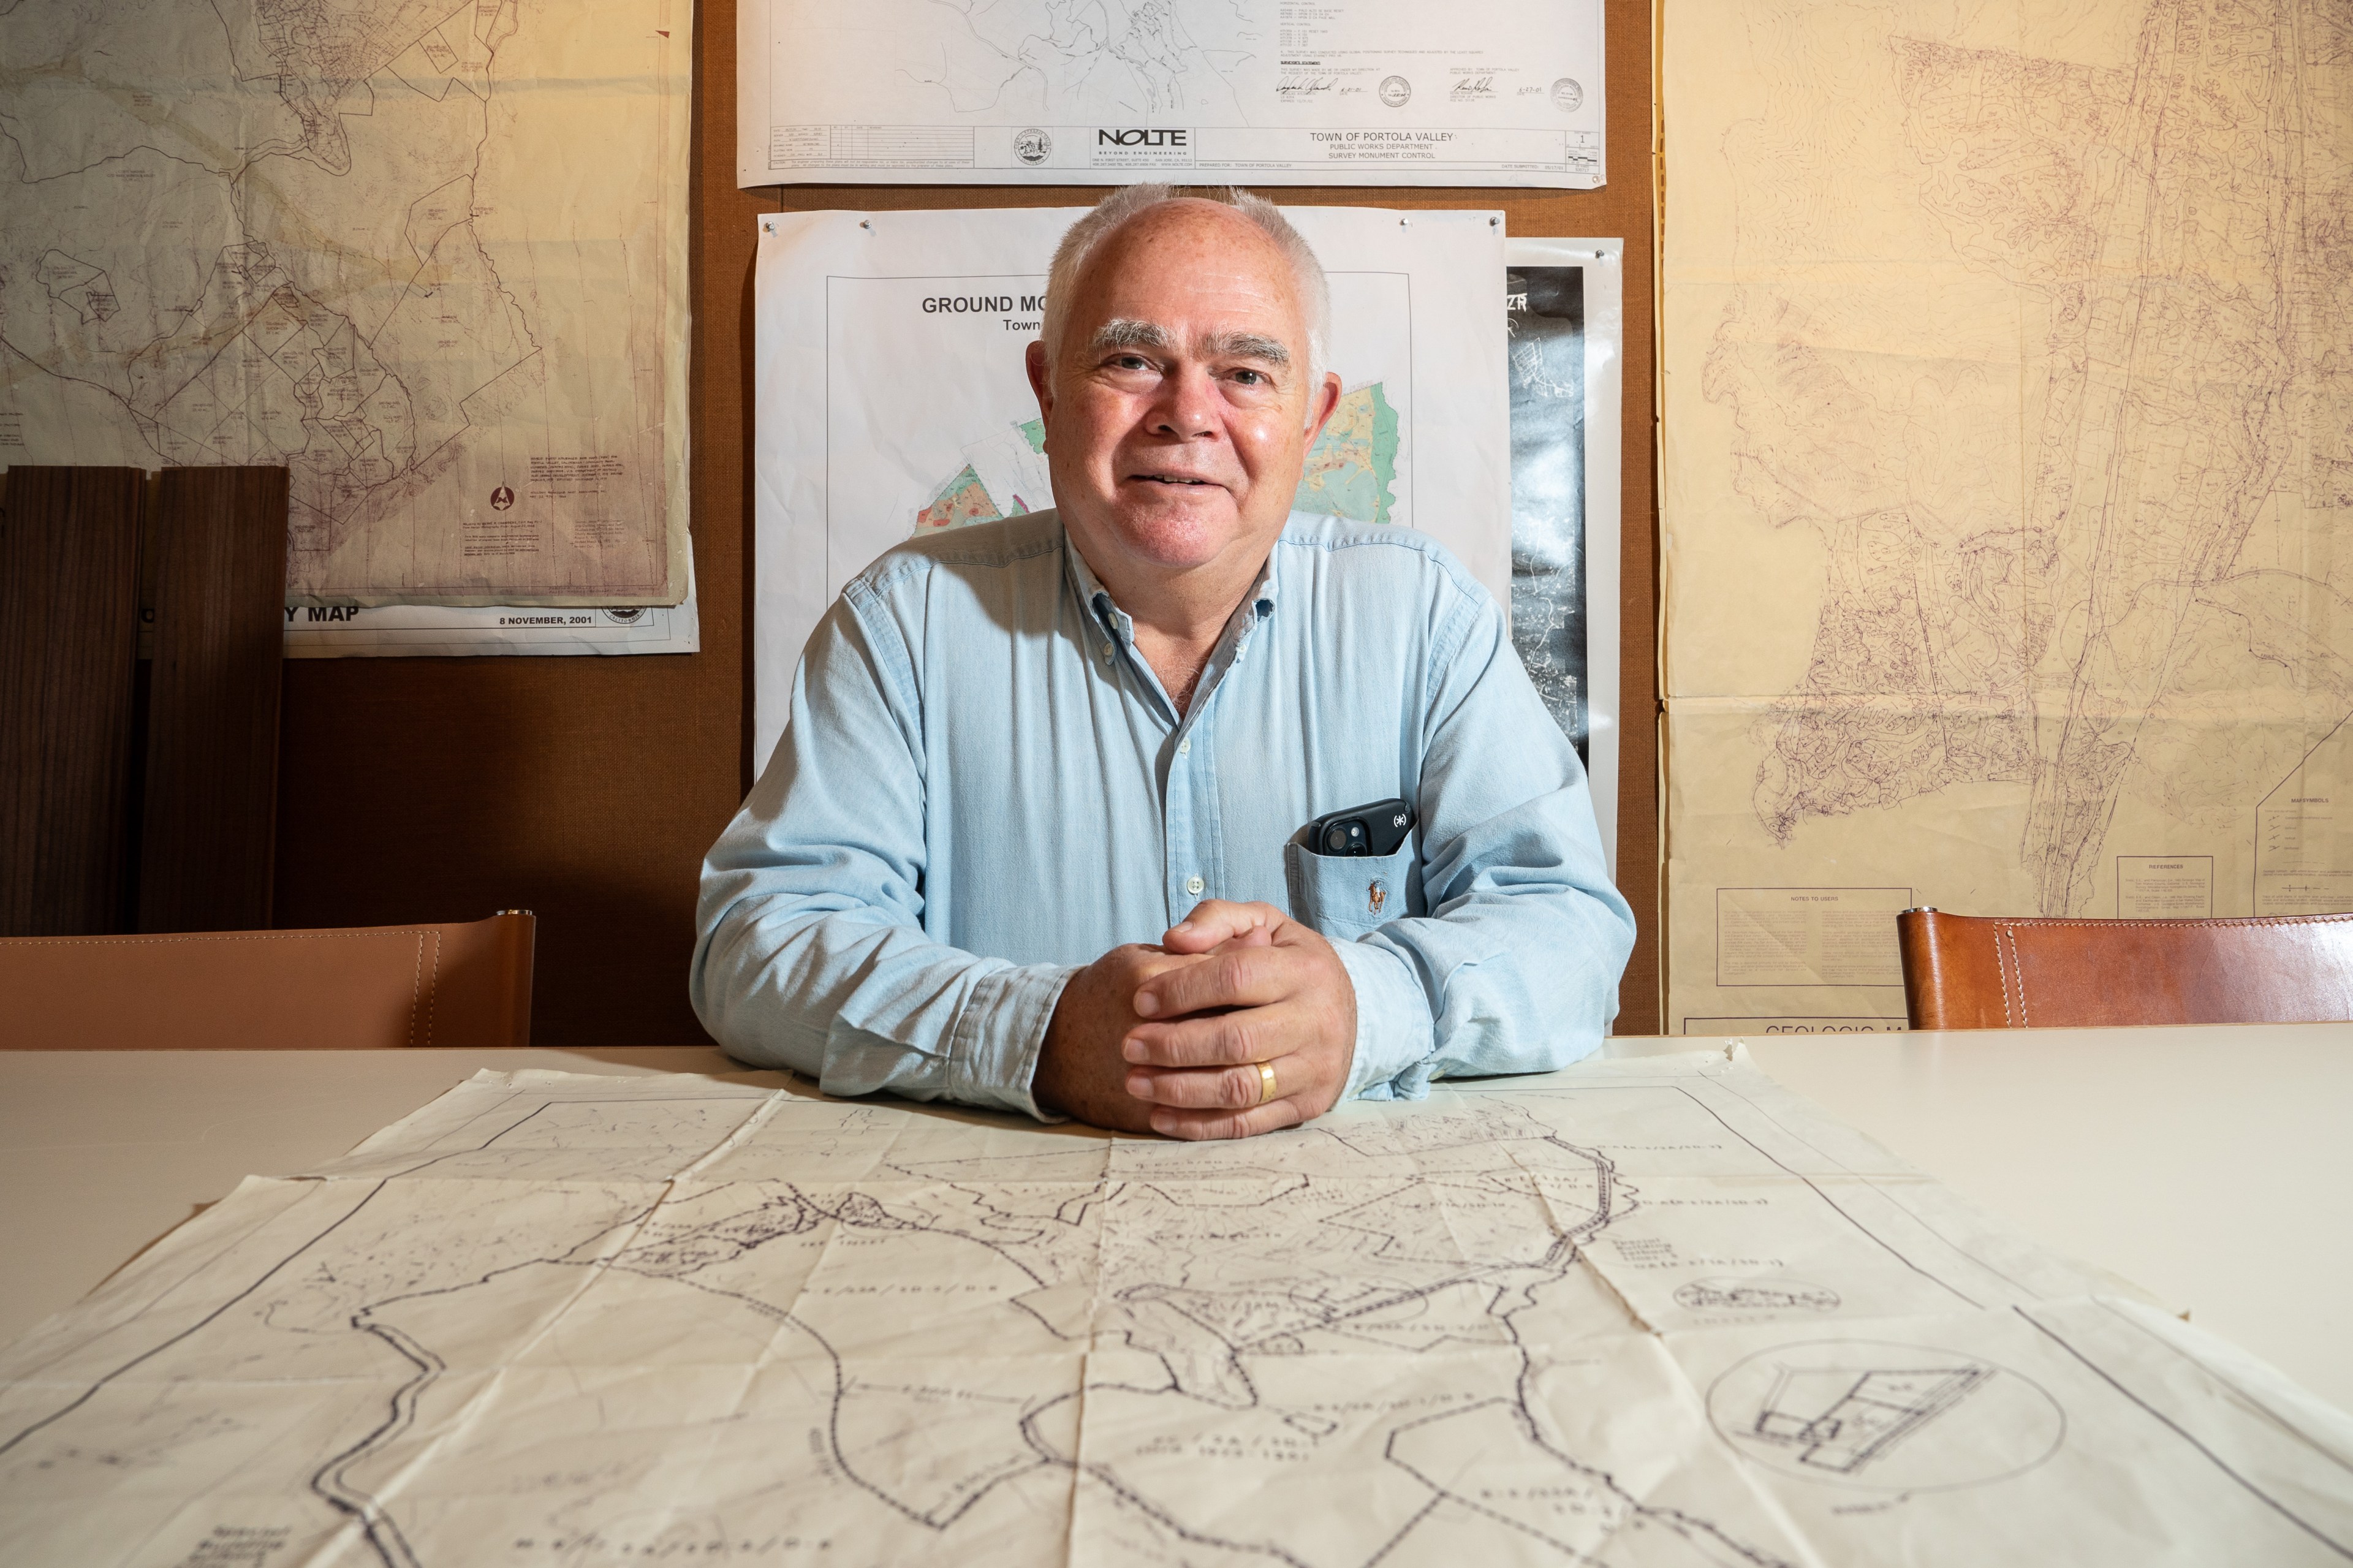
<point x="1244" y="345"/>
<point x="1120" y="332"/>
<point x="1124" y="333"/>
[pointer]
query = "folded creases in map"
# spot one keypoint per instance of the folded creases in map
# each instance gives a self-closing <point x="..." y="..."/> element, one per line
<point x="1650" y="1312"/>
<point x="2008" y="485"/>
<point x="428" y="256"/>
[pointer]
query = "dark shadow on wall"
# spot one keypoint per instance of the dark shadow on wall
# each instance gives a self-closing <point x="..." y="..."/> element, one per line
<point x="585" y="790"/>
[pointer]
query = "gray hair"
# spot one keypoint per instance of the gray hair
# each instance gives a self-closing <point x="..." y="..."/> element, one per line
<point x="1128" y="201"/>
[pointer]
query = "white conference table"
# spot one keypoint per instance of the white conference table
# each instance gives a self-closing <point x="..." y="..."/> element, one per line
<point x="2211" y="1165"/>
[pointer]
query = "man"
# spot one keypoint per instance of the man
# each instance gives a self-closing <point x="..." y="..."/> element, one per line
<point x="1029" y="838"/>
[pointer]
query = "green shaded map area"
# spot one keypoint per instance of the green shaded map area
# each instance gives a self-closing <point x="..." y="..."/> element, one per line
<point x="1353" y="465"/>
<point x="962" y="499"/>
<point x="1004" y="475"/>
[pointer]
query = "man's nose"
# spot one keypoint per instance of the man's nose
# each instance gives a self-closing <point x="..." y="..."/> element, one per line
<point x="1188" y="405"/>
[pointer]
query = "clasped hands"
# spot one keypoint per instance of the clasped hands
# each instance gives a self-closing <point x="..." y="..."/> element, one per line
<point x="1166" y="1039"/>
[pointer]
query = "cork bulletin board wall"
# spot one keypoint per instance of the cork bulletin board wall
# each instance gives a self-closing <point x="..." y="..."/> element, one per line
<point x="587" y="789"/>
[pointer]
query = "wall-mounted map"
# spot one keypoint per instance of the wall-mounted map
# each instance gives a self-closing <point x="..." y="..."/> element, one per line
<point x="854" y="309"/>
<point x="2008" y="469"/>
<point x="1014" y="92"/>
<point x="429" y="255"/>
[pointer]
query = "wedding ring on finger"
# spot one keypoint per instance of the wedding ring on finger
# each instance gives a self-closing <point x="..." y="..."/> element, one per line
<point x="1265" y="1082"/>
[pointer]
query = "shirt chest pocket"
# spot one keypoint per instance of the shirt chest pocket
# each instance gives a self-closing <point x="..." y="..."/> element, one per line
<point x="1345" y="895"/>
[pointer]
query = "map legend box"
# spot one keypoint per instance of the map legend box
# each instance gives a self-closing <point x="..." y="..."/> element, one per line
<point x="1808" y="936"/>
<point x="2165" y="887"/>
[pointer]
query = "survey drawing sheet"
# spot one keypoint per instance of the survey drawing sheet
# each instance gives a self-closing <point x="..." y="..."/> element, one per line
<point x="892" y="399"/>
<point x="429" y="254"/>
<point x="1650" y="1312"/>
<point x="1345" y="93"/>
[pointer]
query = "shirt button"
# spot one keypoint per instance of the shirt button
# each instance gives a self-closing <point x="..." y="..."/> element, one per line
<point x="1185" y="749"/>
<point x="1194" y="885"/>
<point x="1106" y="653"/>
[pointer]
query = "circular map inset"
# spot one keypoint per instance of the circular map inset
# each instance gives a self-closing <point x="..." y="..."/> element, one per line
<point x="1884" y="1417"/>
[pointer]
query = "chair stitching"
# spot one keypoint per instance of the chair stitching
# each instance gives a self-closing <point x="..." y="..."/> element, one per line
<point x="2010" y="929"/>
<point x="2025" y="1021"/>
<point x="433" y="988"/>
<point x="416" y="982"/>
<point x="2001" y="953"/>
<point x="2001" y="967"/>
<point x="2039" y="922"/>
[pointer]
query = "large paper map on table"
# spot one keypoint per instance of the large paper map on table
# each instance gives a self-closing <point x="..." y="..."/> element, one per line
<point x="429" y="254"/>
<point x="1648" y="1313"/>
<point x="2008" y="477"/>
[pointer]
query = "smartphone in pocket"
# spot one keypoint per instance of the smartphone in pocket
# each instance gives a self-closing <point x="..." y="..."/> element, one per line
<point x="1375" y="830"/>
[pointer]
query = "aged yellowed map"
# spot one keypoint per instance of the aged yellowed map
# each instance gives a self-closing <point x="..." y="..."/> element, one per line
<point x="430" y="256"/>
<point x="1655" y="1313"/>
<point x="2007" y="506"/>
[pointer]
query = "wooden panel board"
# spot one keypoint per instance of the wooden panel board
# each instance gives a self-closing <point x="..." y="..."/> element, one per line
<point x="69" y="642"/>
<point x="209" y="840"/>
<point x="588" y="789"/>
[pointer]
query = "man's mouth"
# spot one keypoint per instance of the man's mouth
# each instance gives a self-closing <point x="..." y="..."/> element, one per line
<point x="1171" y="480"/>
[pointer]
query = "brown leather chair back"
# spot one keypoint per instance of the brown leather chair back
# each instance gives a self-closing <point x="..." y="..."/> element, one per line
<point x="1967" y="973"/>
<point x="355" y="987"/>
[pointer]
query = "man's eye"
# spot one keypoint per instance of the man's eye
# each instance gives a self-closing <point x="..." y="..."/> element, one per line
<point x="1250" y="378"/>
<point x="1131" y="361"/>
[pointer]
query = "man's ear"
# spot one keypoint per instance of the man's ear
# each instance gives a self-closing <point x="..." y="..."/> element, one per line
<point x="1041" y="381"/>
<point x="1320" y="407"/>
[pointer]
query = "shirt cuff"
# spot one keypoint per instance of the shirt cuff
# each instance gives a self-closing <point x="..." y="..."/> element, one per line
<point x="1394" y="1035"/>
<point x="992" y="1050"/>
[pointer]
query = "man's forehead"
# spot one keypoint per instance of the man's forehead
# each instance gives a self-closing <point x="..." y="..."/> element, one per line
<point x="1198" y="221"/>
<point x="1191" y="257"/>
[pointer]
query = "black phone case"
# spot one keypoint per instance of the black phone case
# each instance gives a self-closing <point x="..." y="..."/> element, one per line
<point x="1385" y="824"/>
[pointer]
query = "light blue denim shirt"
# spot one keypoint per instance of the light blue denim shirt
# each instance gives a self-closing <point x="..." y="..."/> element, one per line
<point x="982" y="787"/>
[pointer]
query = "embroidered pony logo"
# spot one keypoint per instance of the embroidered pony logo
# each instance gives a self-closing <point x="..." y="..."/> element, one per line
<point x="1376" y="893"/>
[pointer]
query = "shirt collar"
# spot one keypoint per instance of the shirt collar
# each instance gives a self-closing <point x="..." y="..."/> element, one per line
<point x="1094" y="596"/>
<point x="1098" y="600"/>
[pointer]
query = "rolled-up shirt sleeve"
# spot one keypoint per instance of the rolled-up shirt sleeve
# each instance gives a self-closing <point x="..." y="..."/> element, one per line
<point x="1514" y="966"/>
<point x="812" y="952"/>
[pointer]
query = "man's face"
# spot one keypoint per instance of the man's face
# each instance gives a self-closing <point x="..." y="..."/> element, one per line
<point x="1178" y="414"/>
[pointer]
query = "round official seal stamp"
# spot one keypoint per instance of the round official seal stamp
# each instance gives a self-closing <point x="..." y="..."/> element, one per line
<point x="501" y="498"/>
<point x="626" y="618"/>
<point x="1395" y="90"/>
<point x="1567" y="95"/>
<point x="1032" y="146"/>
